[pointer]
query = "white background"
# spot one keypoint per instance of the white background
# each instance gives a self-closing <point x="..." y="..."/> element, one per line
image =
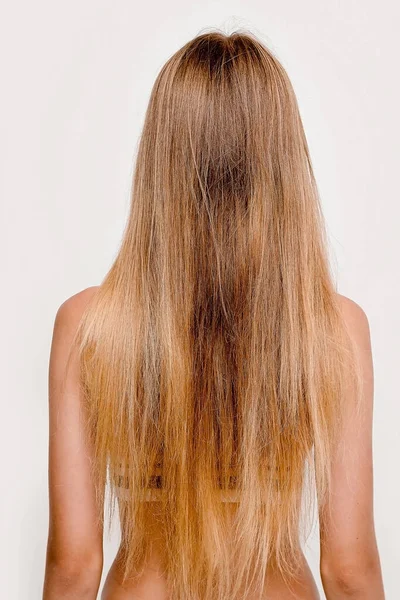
<point x="76" y="78"/>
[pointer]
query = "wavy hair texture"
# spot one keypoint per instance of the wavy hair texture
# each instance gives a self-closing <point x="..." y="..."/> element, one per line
<point x="215" y="345"/>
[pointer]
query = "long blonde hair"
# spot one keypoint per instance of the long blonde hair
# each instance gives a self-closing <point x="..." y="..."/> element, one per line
<point x="215" y="345"/>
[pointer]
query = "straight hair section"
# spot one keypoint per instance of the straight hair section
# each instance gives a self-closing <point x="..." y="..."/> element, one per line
<point x="214" y="348"/>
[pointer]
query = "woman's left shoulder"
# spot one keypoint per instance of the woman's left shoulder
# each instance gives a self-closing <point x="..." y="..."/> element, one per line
<point x="69" y="313"/>
<point x="74" y="305"/>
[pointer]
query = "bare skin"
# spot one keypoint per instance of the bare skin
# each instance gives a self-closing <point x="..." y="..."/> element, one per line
<point x="152" y="585"/>
<point x="350" y="566"/>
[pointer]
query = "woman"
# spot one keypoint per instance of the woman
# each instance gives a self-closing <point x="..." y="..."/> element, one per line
<point x="215" y="375"/>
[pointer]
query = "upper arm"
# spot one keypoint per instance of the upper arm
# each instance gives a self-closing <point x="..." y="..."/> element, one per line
<point x="75" y="534"/>
<point x="346" y="520"/>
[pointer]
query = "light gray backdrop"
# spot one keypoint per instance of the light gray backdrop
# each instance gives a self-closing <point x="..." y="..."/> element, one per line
<point x="76" y="78"/>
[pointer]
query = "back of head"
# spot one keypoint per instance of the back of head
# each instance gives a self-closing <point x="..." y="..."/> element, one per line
<point x="215" y="346"/>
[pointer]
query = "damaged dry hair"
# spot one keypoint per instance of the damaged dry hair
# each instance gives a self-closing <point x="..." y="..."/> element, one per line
<point x="215" y="347"/>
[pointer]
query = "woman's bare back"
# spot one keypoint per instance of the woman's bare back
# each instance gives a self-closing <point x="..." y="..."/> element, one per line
<point x="153" y="586"/>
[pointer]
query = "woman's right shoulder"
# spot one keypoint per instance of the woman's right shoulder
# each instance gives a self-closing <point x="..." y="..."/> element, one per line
<point x="358" y="328"/>
<point x="349" y="558"/>
<point x="355" y="317"/>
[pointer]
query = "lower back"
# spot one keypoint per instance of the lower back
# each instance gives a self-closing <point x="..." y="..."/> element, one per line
<point x="152" y="585"/>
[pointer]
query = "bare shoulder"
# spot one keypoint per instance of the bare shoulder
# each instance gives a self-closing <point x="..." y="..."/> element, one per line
<point x="71" y="310"/>
<point x="356" y="319"/>
<point x="74" y="305"/>
<point x="358" y="327"/>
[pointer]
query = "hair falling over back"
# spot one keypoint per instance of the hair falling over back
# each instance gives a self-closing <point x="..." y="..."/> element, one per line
<point x="215" y="345"/>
